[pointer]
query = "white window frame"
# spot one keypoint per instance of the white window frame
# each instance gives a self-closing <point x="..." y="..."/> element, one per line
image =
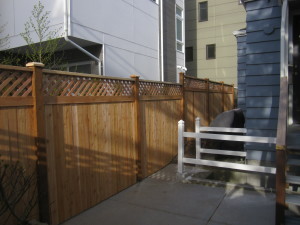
<point x="181" y="18"/>
<point x="81" y="63"/>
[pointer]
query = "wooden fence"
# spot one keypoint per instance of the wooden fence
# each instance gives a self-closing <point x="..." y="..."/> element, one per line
<point x="92" y="136"/>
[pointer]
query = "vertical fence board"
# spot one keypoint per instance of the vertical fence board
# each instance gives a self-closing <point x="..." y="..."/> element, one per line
<point x="91" y="136"/>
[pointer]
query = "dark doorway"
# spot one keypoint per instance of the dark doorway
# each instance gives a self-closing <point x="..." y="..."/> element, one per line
<point x="296" y="69"/>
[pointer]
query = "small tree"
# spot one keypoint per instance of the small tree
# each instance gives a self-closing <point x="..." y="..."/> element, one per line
<point x="47" y="40"/>
<point x="17" y="189"/>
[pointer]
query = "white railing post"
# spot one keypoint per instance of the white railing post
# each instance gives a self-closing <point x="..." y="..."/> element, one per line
<point x="180" y="146"/>
<point x="198" y="140"/>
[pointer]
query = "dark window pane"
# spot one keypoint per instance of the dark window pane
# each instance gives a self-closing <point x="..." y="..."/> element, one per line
<point x="81" y="68"/>
<point x="203" y="11"/>
<point x="189" y="57"/>
<point x="211" y="51"/>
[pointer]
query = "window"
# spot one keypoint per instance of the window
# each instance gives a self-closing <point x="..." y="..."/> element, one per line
<point x="179" y="29"/>
<point x="211" y="51"/>
<point x="189" y="55"/>
<point x="89" y="67"/>
<point x="203" y="11"/>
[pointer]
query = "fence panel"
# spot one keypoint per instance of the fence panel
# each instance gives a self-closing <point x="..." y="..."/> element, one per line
<point x="91" y="147"/>
<point x="17" y="140"/>
<point x="100" y="133"/>
<point x="160" y="108"/>
<point x="205" y="99"/>
<point x="159" y="133"/>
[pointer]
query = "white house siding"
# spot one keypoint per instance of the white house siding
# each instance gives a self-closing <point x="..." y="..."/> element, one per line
<point x="180" y="56"/>
<point x="128" y="30"/>
<point x="15" y="13"/>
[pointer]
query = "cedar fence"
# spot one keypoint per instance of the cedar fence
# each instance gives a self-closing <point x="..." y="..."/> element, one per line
<point x="88" y="137"/>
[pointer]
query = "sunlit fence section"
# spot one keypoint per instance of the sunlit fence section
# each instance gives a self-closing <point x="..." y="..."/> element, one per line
<point x="88" y="137"/>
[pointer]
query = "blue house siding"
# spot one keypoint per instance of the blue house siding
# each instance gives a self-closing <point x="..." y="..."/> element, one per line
<point x="262" y="71"/>
<point x="241" y="45"/>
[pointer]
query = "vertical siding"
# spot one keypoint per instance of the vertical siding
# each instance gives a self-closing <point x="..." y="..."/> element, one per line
<point x="262" y="74"/>
<point x="241" y="80"/>
<point x="169" y="41"/>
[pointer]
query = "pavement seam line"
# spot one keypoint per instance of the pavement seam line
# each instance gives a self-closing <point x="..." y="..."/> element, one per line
<point x="159" y="210"/>
<point x="208" y="221"/>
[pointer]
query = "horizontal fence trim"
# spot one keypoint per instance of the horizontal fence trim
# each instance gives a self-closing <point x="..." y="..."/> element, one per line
<point x="160" y="82"/>
<point x="254" y="139"/>
<point x="195" y="78"/>
<point x="195" y="89"/>
<point x="217" y="91"/>
<point x="66" y="73"/>
<point x="223" y="152"/>
<point x="224" y="129"/>
<point x="159" y="97"/>
<point x="234" y="166"/>
<point x="19" y="68"/>
<point x="188" y="89"/>
<point x="52" y="100"/>
<point x="16" y="101"/>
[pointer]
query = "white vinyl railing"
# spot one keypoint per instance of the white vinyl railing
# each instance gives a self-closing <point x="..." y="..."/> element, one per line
<point x="198" y="135"/>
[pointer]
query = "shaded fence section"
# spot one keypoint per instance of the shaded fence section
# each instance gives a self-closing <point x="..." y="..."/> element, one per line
<point x="88" y="137"/>
<point x="205" y="99"/>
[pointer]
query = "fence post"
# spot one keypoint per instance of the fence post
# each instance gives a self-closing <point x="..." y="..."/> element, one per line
<point x="40" y="140"/>
<point x="233" y="97"/>
<point x="180" y="146"/>
<point x="223" y="97"/>
<point x="181" y="80"/>
<point x="207" y="100"/>
<point x="141" y="162"/>
<point x="280" y="183"/>
<point x="198" y="140"/>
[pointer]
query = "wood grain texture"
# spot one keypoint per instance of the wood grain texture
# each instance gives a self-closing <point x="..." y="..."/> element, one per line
<point x="93" y="146"/>
<point x="160" y="132"/>
<point x="91" y="152"/>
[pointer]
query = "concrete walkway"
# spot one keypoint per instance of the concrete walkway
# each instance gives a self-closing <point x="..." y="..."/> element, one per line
<point x="164" y="200"/>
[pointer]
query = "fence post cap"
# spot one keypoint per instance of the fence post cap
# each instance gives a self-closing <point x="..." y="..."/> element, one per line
<point x="36" y="64"/>
<point x="180" y="122"/>
<point x="134" y="76"/>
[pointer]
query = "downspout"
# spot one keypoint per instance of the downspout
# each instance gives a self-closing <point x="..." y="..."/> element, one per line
<point x="284" y="41"/>
<point x="284" y="58"/>
<point x="161" y="32"/>
<point x="67" y="31"/>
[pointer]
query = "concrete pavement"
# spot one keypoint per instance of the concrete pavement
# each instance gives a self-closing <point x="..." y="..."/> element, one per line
<point x="162" y="199"/>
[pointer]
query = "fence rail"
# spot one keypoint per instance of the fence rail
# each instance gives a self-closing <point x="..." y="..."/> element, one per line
<point x="203" y="133"/>
<point x="93" y="136"/>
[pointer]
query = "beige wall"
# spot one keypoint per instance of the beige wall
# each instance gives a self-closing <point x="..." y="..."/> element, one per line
<point x="224" y="17"/>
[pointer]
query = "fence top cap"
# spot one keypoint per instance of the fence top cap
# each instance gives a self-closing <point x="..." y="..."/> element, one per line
<point x="134" y="76"/>
<point x="180" y="122"/>
<point x="36" y="64"/>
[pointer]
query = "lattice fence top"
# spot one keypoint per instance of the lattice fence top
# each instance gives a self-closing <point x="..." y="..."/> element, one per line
<point x="215" y="87"/>
<point x="156" y="89"/>
<point x="62" y="85"/>
<point x="195" y="83"/>
<point x="15" y="83"/>
<point x="228" y="88"/>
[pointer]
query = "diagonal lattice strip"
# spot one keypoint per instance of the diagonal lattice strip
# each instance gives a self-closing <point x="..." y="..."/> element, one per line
<point x="60" y="85"/>
<point x="155" y="89"/>
<point x="15" y="83"/>
<point x="195" y="83"/>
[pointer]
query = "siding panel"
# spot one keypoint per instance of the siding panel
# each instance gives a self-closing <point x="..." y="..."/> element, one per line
<point x="262" y="74"/>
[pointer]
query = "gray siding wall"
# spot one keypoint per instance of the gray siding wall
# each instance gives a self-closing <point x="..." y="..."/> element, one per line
<point x="262" y="71"/>
<point x="170" y="68"/>
<point x="241" y="95"/>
